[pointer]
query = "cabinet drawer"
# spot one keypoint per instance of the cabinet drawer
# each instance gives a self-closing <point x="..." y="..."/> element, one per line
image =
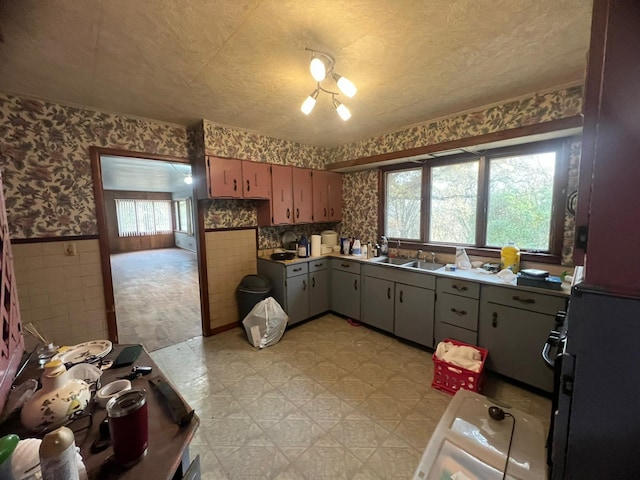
<point x="534" y="302"/>
<point x="345" y="265"/>
<point x="297" y="269"/>
<point x="444" y="330"/>
<point x="316" y="265"/>
<point x="458" y="287"/>
<point x="459" y="311"/>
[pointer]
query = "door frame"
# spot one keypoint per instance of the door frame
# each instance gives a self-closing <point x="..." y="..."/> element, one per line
<point x="103" y="238"/>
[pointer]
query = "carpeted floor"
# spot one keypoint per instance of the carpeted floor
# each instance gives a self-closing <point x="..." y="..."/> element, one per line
<point x="157" y="297"/>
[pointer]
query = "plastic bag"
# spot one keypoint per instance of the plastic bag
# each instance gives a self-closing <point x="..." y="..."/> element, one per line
<point x="462" y="260"/>
<point x="265" y="323"/>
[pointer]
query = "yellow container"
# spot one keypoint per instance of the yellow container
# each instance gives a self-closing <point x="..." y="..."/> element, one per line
<point x="510" y="257"/>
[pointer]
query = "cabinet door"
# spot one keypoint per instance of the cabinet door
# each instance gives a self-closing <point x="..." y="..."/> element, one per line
<point x="414" y="309"/>
<point x="514" y="338"/>
<point x="335" y="196"/>
<point x="282" y="198"/>
<point x="345" y="294"/>
<point x="225" y="177"/>
<point x="256" y="180"/>
<point x="302" y="195"/>
<point x="320" y="196"/>
<point x="297" y="298"/>
<point x="377" y="303"/>
<point x="319" y="292"/>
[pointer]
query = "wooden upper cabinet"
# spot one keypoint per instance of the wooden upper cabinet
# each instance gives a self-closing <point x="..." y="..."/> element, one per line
<point x="327" y="196"/>
<point x="224" y="177"/>
<point x="320" y="196"/>
<point x="256" y="180"/>
<point x="335" y="196"/>
<point x="282" y="195"/>
<point x="302" y="195"/>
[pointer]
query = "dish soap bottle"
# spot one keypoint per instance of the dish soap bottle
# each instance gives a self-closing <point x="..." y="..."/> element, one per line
<point x="510" y="257"/>
<point x="303" y="247"/>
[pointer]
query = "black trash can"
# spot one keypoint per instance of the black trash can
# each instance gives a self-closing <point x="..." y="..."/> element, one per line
<point x="252" y="290"/>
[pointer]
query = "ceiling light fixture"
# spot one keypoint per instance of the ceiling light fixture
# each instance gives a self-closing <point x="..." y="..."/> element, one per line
<point x="321" y="68"/>
<point x="188" y="178"/>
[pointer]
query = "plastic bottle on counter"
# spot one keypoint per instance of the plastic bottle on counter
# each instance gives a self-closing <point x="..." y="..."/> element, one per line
<point x="303" y="247"/>
<point x="357" y="248"/>
<point x="58" y="456"/>
<point x="510" y="257"/>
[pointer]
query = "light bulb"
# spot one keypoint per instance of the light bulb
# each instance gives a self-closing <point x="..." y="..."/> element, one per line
<point x="318" y="69"/>
<point x="343" y="111"/>
<point x="309" y="102"/>
<point x="345" y="85"/>
<point x="188" y="179"/>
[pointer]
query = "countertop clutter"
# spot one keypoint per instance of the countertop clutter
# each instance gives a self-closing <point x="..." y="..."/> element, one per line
<point x="474" y="274"/>
<point x="168" y="438"/>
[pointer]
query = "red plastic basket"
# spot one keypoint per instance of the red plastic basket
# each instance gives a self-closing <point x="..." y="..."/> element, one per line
<point x="451" y="378"/>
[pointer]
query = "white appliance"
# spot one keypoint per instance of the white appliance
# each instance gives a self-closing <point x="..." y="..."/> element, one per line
<point x="478" y="438"/>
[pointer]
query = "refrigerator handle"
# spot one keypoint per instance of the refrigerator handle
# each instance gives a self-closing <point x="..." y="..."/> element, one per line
<point x="552" y="341"/>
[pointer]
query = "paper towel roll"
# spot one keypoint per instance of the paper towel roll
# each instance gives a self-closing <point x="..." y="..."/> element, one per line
<point x="316" y="241"/>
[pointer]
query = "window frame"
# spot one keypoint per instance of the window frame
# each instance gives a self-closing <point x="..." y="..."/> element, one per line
<point x="189" y="215"/>
<point x="556" y="235"/>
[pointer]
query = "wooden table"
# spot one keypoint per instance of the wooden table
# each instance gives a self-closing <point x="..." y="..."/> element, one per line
<point x="167" y="455"/>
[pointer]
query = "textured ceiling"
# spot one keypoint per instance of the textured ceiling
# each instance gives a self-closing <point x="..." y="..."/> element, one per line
<point x="243" y="63"/>
<point x="141" y="175"/>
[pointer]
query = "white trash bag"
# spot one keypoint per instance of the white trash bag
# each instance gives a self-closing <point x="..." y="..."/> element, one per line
<point x="265" y="323"/>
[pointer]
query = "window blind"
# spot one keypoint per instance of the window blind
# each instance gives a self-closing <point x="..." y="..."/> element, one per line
<point x="143" y="217"/>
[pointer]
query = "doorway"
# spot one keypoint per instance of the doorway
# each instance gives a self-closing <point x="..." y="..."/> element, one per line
<point x="148" y="237"/>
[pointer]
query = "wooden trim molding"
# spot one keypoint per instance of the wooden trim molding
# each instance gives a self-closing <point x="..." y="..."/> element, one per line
<point x="202" y="270"/>
<point x="224" y="328"/>
<point x="538" y="129"/>
<point x="70" y="238"/>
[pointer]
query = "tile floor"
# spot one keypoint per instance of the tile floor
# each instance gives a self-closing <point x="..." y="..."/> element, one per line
<point x="157" y="296"/>
<point x="329" y="401"/>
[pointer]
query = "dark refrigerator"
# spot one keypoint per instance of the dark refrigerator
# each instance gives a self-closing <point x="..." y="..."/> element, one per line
<point x="596" y="429"/>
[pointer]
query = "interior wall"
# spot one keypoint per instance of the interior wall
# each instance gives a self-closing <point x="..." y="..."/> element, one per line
<point x="231" y="255"/>
<point x="185" y="240"/>
<point x="119" y="244"/>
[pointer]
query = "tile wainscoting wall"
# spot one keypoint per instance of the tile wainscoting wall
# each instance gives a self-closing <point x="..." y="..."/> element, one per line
<point x="231" y="254"/>
<point x="62" y="295"/>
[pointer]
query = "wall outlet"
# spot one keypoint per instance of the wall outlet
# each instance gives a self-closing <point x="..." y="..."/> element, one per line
<point x="70" y="249"/>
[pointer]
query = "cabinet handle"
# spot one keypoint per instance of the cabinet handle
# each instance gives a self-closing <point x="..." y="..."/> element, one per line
<point x="345" y="265"/>
<point x="235" y="185"/>
<point x="325" y="212"/>
<point x="313" y="282"/>
<point x="224" y="176"/>
<point x="401" y="294"/>
<point x="297" y="269"/>
<point x="459" y="312"/>
<point x="523" y="300"/>
<point x="460" y="289"/>
<point x="304" y="284"/>
<point x="297" y="213"/>
<point x="332" y="212"/>
<point x="355" y="284"/>
<point x="494" y="320"/>
<point x="282" y="195"/>
<point x="288" y="213"/>
<point x="317" y="265"/>
<point x="248" y="186"/>
<point x="389" y="293"/>
<point x="255" y="179"/>
<point x="302" y="196"/>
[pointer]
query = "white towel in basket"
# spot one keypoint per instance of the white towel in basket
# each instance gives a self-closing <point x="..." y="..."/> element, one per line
<point x="459" y="355"/>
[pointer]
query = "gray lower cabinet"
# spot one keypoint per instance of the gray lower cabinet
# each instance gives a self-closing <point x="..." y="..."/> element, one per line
<point x="514" y="326"/>
<point x="399" y="301"/>
<point x="297" y="303"/>
<point x="345" y="288"/>
<point x="377" y="303"/>
<point x="318" y="287"/>
<point x="457" y="310"/>
<point x="414" y="314"/>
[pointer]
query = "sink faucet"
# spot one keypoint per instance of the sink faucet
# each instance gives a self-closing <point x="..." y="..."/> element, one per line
<point x="433" y="257"/>
<point x="418" y="254"/>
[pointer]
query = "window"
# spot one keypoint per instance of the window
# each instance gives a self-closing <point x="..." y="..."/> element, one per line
<point x="182" y="211"/>
<point x="482" y="201"/>
<point x="143" y="217"/>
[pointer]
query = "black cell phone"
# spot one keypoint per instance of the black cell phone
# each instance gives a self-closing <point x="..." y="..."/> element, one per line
<point x="127" y="356"/>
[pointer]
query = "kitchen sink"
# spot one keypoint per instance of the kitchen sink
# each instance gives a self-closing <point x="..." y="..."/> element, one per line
<point x="395" y="260"/>
<point x="419" y="264"/>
